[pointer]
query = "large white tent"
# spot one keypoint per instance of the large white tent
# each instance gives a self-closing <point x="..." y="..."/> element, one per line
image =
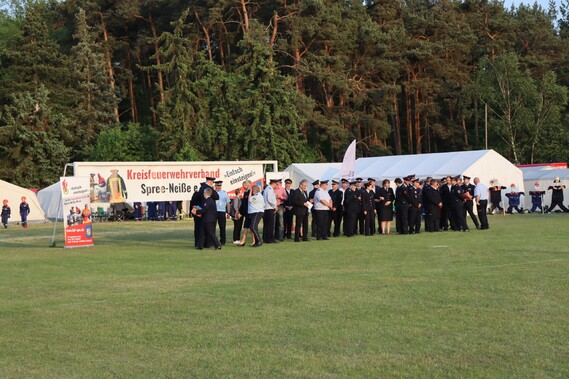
<point x="544" y="175"/>
<point x="485" y="164"/>
<point x="14" y="194"/>
<point x="51" y="203"/>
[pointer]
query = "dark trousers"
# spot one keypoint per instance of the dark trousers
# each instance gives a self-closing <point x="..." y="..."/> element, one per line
<point x="301" y="224"/>
<point x="322" y="224"/>
<point x="350" y="220"/>
<point x="402" y="218"/>
<point x="434" y="218"/>
<point x="511" y="209"/>
<point x="255" y="219"/>
<point x="445" y="217"/>
<point x="412" y="218"/>
<point x="493" y="207"/>
<point x="482" y="207"/>
<point x="208" y="234"/>
<point x="197" y="230"/>
<point x="459" y="216"/>
<point x="416" y="226"/>
<point x="269" y="226"/>
<point x="361" y="222"/>
<point x="535" y="206"/>
<point x="288" y="217"/>
<point x="222" y="222"/>
<point x="237" y="226"/>
<point x="337" y="218"/>
<point x="554" y="203"/>
<point x="469" y="206"/>
<point x="313" y="224"/>
<point x="369" y="223"/>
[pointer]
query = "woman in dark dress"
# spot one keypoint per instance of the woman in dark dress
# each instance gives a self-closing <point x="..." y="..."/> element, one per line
<point x="386" y="197"/>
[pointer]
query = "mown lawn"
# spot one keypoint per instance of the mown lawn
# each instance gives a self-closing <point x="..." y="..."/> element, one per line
<point x="144" y="303"/>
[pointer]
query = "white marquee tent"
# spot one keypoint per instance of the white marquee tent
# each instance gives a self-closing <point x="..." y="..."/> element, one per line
<point x="545" y="175"/>
<point x="14" y="194"/>
<point x="485" y="164"/>
<point x="50" y="201"/>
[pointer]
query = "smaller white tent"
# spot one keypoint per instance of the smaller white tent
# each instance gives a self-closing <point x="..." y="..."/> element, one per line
<point x="545" y="175"/>
<point x="312" y="171"/>
<point x="14" y="194"/>
<point x="51" y="203"/>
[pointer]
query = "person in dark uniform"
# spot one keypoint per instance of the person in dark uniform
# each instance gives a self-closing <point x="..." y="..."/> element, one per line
<point x="244" y="211"/>
<point x="514" y="200"/>
<point x="458" y="212"/>
<point x="469" y="204"/>
<point x="415" y="217"/>
<point x="386" y="196"/>
<point x="24" y="212"/>
<point x="352" y="208"/>
<point x="172" y="210"/>
<point x="556" y="196"/>
<point x="198" y="220"/>
<point x="361" y="218"/>
<point x="236" y="217"/>
<point x="446" y="216"/>
<point x="345" y="186"/>
<point x="313" y="224"/>
<point x="375" y="188"/>
<point x="288" y="206"/>
<point x="434" y="203"/>
<point x="425" y="197"/>
<point x="496" y="197"/>
<point x="208" y="214"/>
<point x="151" y="211"/>
<point x="6" y="212"/>
<point x="402" y="200"/>
<point x="336" y="212"/>
<point x="368" y="206"/>
<point x="536" y="198"/>
<point x="301" y="201"/>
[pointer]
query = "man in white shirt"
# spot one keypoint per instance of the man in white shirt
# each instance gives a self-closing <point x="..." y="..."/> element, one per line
<point x="270" y="209"/>
<point x="322" y="206"/>
<point x="223" y="205"/>
<point x="481" y="199"/>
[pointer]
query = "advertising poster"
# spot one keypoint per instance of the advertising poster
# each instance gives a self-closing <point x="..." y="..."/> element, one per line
<point x="77" y="210"/>
<point x="122" y="182"/>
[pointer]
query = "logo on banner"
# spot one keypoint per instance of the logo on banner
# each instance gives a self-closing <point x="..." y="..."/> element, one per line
<point x="64" y="187"/>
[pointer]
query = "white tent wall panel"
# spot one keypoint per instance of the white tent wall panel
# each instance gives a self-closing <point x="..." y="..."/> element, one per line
<point x="14" y="194"/>
<point x="545" y="177"/>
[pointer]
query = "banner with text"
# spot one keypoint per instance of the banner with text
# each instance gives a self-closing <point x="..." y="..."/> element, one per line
<point x="119" y="182"/>
<point x="77" y="208"/>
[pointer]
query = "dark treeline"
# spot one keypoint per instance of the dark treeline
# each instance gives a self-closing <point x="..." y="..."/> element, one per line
<point x="292" y="80"/>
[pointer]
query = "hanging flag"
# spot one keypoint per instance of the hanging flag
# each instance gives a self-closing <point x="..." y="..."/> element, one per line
<point x="348" y="169"/>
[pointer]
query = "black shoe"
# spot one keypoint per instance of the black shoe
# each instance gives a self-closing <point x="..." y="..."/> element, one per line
<point x="257" y="244"/>
<point x="199" y="248"/>
<point x="326" y="239"/>
<point x="218" y="248"/>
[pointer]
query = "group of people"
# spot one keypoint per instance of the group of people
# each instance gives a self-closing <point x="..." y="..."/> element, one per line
<point x="348" y="208"/>
<point x="24" y="212"/>
<point x="158" y="211"/>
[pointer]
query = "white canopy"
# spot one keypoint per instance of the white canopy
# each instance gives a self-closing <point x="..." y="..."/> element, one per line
<point x="14" y="194"/>
<point x="50" y="201"/>
<point x="544" y="175"/>
<point x="312" y="171"/>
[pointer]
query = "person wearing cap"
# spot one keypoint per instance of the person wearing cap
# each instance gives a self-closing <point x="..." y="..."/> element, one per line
<point x="536" y="198"/>
<point x="360" y="189"/>
<point x="223" y="207"/>
<point x="345" y="186"/>
<point x="336" y="212"/>
<point x="386" y="196"/>
<point x="415" y="207"/>
<point x="281" y="195"/>
<point x="6" y="212"/>
<point x="235" y="216"/>
<point x="368" y="207"/>
<point x="433" y="204"/>
<point x="352" y="207"/>
<point x="481" y="198"/>
<point x="322" y="206"/>
<point x="313" y="223"/>
<point x="301" y="203"/>
<point x="514" y="200"/>
<point x="426" y="201"/>
<point x="446" y="211"/>
<point x="458" y="212"/>
<point x="288" y="216"/>
<point x="556" y="196"/>
<point x="496" y="197"/>
<point x="200" y="200"/>
<point x="469" y="203"/>
<point x="24" y="212"/>
<point x="208" y="214"/>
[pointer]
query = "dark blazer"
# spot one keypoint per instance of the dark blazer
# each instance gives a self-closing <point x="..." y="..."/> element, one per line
<point x="367" y="201"/>
<point x="298" y="200"/>
<point x="351" y="201"/>
<point x="209" y="210"/>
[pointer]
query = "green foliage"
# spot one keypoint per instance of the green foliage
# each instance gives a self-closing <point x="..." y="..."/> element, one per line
<point x="130" y="143"/>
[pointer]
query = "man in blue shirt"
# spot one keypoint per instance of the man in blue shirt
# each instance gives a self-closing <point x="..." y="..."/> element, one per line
<point x="223" y="207"/>
<point x="481" y="196"/>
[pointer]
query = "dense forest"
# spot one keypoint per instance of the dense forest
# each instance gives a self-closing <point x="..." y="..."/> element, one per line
<point x="292" y="80"/>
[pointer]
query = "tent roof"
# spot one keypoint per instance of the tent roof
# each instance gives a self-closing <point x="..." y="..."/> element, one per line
<point x="13" y="194"/>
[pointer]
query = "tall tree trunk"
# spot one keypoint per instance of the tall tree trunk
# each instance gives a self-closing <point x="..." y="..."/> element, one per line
<point x="408" y="120"/>
<point x="152" y="105"/>
<point x="417" y="122"/>
<point x="396" y="125"/>
<point x="133" y="110"/>
<point x="207" y="38"/>
<point x="157" y="53"/>
<point x="245" y="15"/>
<point x="299" y="78"/>
<point x="274" y="34"/>
<point x="464" y="131"/>
<point x="109" y="63"/>
<point x="476" y="120"/>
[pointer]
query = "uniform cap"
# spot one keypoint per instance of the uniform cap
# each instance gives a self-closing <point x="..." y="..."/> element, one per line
<point x="323" y="182"/>
<point x="370" y="179"/>
<point x="209" y="178"/>
<point x="344" y="180"/>
<point x="334" y="182"/>
<point x="398" y="180"/>
<point x="274" y="181"/>
<point x="415" y="180"/>
<point x="465" y="177"/>
<point x="359" y="180"/>
<point x="218" y="182"/>
<point x="353" y="182"/>
<point x="288" y="181"/>
<point x="315" y="182"/>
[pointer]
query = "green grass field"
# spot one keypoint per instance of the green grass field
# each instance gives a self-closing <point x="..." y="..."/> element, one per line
<point x="144" y="303"/>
